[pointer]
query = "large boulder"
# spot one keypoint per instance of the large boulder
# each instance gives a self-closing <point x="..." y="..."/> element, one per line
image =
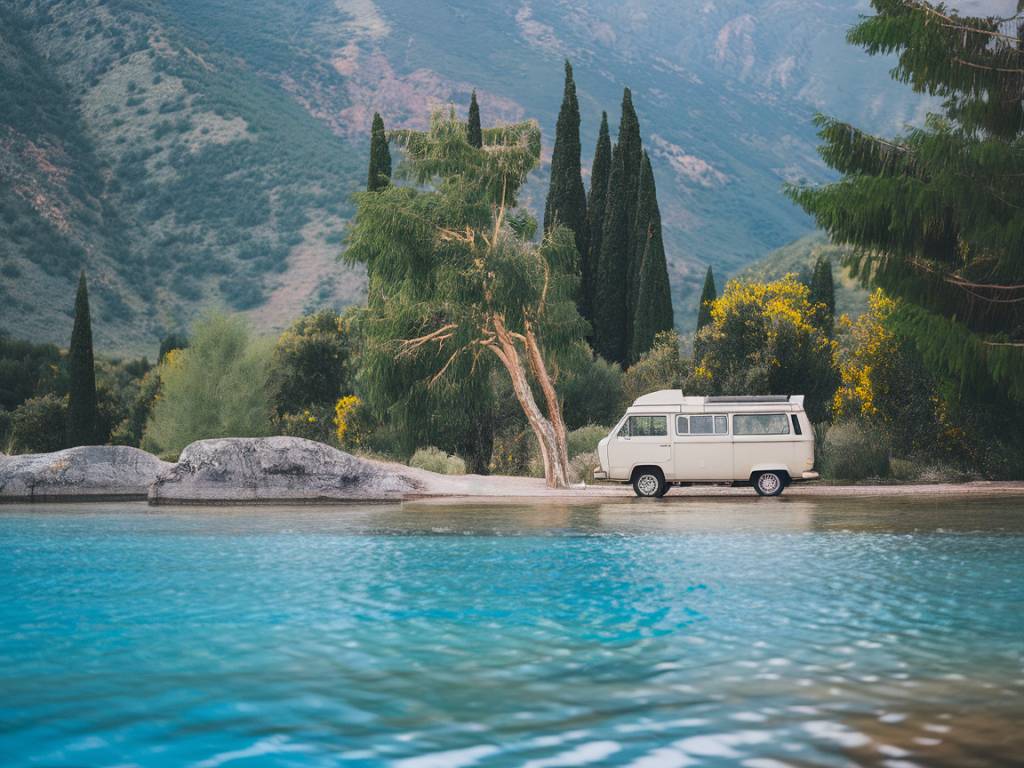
<point x="248" y="469"/>
<point x="87" y="472"/>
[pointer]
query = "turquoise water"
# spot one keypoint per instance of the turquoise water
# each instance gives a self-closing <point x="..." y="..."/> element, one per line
<point x="749" y="632"/>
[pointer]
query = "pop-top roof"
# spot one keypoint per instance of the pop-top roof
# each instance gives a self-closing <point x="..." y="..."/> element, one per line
<point x="675" y="397"/>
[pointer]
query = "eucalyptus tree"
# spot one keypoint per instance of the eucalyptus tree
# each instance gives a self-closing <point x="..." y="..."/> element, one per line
<point x="462" y="286"/>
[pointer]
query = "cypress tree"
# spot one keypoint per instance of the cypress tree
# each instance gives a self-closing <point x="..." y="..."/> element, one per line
<point x="82" y="414"/>
<point x="600" y="170"/>
<point x="707" y="298"/>
<point x="654" y="293"/>
<point x="379" y="174"/>
<point x="937" y="214"/>
<point x="823" y="291"/>
<point x="610" y="292"/>
<point x="631" y="148"/>
<point x="474" y="131"/>
<point x="567" y="201"/>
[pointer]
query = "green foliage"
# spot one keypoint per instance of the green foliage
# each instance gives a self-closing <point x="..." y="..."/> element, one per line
<point x="937" y="214"/>
<point x="435" y="460"/>
<point x="661" y="367"/>
<point x="379" y="174"/>
<point x="600" y="171"/>
<point x="138" y="397"/>
<point x="611" y="289"/>
<point x="171" y="342"/>
<point x="313" y="423"/>
<point x="217" y="387"/>
<point x="591" y="390"/>
<point x="39" y="425"/>
<point x="474" y="134"/>
<point x="566" y="203"/>
<point x="855" y="450"/>
<point x="83" y="428"/>
<point x="311" y="364"/>
<point x="27" y="370"/>
<point x="653" y="303"/>
<point x="707" y="297"/>
<point x="823" y="293"/>
<point x="585" y="439"/>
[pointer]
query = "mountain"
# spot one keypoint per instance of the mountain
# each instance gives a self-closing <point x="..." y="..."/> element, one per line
<point x="202" y="152"/>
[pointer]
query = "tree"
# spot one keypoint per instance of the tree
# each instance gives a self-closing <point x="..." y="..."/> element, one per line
<point x="600" y="170"/>
<point x="475" y="135"/>
<point x="82" y="414"/>
<point x="630" y="147"/>
<point x="937" y="214"/>
<point x="653" y="306"/>
<point x="310" y="364"/>
<point x="567" y="202"/>
<point x="823" y="292"/>
<point x="217" y="387"/>
<point x="763" y="340"/>
<point x="379" y="175"/>
<point x="707" y="298"/>
<point x="468" y="288"/>
<point x="171" y="342"/>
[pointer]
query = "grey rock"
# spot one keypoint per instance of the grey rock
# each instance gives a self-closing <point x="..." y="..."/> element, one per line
<point x="253" y="469"/>
<point x="93" y="471"/>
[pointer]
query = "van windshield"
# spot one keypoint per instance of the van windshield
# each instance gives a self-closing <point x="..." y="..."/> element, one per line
<point x="760" y="424"/>
<point x="645" y="426"/>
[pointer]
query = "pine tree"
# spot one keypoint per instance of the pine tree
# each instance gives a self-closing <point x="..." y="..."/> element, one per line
<point x="654" y="293"/>
<point x="474" y="132"/>
<point x="567" y="201"/>
<point x="600" y="170"/>
<point x="379" y="174"/>
<point x="937" y="214"/>
<point x="82" y="415"/>
<point x="707" y="298"/>
<point x="823" y="292"/>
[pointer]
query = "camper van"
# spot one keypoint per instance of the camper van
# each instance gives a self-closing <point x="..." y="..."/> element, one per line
<point x="667" y="438"/>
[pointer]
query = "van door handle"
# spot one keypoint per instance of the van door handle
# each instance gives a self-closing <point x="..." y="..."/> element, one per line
<point x="665" y="445"/>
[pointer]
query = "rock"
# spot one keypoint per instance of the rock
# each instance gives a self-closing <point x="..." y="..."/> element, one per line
<point x="87" y="472"/>
<point x="248" y="469"/>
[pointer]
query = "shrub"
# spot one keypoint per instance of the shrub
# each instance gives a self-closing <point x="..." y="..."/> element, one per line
<point x="585" y="439"/>
<point x="514" y="454"/>
<point x="591" y="390"/>
<point x="582" y="466"/>
<point x="311" y="363"/>
<point x="436" y="460"/>
<point x="39" y="425"/>
<point x="855" y="450"/>
<point x="661" y="367"/>
<point x="313" y="423"/>
<point x="217" y="387"/>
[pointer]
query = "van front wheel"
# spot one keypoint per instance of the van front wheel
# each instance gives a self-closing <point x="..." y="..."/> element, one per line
<point x="769" y="483"/>
<point x="649" y="483"/>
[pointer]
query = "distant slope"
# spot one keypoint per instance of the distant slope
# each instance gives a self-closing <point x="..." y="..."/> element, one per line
<point x="798" y="258"/>
<point x="178" y="177"/>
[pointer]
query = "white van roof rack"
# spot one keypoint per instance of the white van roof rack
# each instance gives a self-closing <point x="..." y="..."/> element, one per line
<point x="748" y="399"/>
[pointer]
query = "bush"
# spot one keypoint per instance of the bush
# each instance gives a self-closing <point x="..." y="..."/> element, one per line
<point x="661" y="367"/>
<point x="436" y="460"/>
<point x="39" y="425"/>
<point x="591" y="390"/>
<point x="217" y="387"/>
<point x="313" y="423"/>
<point x="582" y="466"/>
<point x="855" y="450"/>
<point x="585" y="439"/>
<point x="311" y="363"/>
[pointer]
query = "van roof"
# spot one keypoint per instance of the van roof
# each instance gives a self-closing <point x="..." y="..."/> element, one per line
<point x="676" y="398"/>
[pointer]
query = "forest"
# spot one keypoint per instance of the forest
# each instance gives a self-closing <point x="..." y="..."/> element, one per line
<point x="494" y="342"/>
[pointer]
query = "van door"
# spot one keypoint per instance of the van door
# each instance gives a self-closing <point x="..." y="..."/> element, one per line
<point x="702" y="447"/>
<point x="642" y="439"/>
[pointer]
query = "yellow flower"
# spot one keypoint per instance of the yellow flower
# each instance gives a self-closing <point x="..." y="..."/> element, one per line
<point x="342" y="411"/>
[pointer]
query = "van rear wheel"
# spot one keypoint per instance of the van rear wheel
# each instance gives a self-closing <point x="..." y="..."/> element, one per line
<point x="769" y="483"/>
<point x="649" y="483"/>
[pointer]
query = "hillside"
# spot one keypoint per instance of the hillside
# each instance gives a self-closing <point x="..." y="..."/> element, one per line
<point x="202" y="152"/>
<point x="798" y="258"/>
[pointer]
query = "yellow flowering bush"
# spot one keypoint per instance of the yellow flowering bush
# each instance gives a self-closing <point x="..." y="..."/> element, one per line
<point x="344" y="410"/>
<point x="766" y="338"/>
<point x="873" y="348"/>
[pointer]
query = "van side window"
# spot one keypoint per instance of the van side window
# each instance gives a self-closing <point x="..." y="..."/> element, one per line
<point x="721" y="425"/>
<point x="645" y="426"/>
<point x="682" y="425"/>
<point x="702" y="425"/>
<point x="796" y="425"/>
<point x="760" y="424"/>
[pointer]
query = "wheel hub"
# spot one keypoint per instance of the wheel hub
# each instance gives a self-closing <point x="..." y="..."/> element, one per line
<point x="648" y="485"/>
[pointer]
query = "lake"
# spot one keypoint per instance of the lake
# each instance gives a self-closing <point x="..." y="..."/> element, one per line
<point x="761" y="633"/>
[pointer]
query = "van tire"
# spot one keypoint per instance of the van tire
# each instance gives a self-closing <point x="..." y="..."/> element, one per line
<point x="769" y="483"/>
<point x="649" y="483"/>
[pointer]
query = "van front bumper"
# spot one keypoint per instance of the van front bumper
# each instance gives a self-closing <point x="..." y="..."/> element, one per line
<point x="600" y="474"/>
<point x="809" y="476"/>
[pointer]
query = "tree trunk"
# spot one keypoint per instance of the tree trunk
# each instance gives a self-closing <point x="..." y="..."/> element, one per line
<point x="540" y="372"/>
<point x="550" y="438"/>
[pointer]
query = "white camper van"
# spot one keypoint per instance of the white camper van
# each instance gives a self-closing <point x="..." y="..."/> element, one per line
<point x="667" y="438"/>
